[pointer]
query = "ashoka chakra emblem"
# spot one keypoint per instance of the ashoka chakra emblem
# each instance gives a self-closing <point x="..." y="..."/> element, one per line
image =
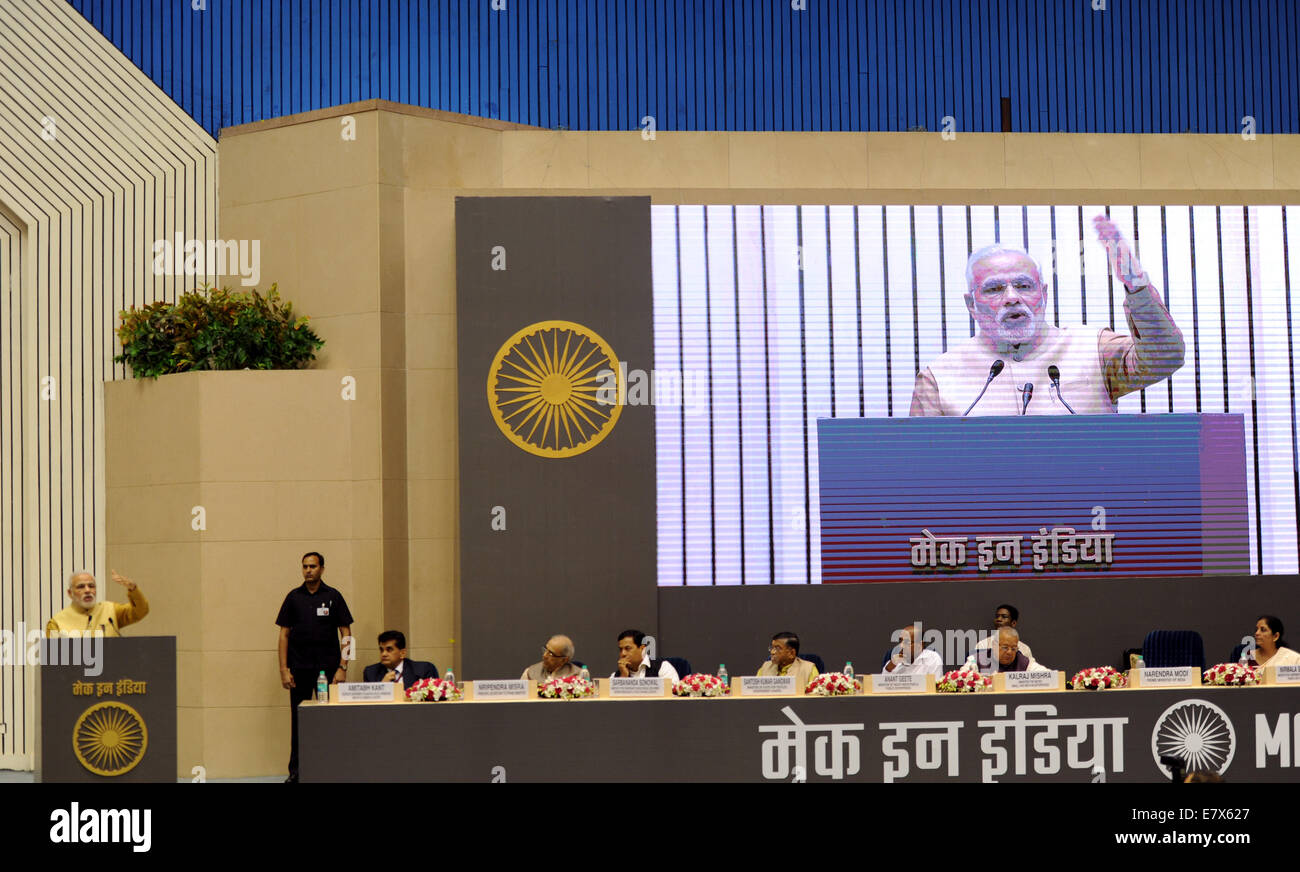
<point x="1197" y="731"/>
<point x="110" y="738"/>
<point x="554" y="389"/>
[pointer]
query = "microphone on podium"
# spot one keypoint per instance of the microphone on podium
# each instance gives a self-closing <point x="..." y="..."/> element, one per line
<point x="1029" y="392"/>
<point x="1055" y="375"/>
<point x="993" y="373"/>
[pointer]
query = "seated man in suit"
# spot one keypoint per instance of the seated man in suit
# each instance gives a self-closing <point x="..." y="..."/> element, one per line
<point x="785" y="659"/>
<point x="1009" y="656"/>
<point x="632" y="662"/>
<point x="911" y="655"/>
<point x="557" y="661"/>
<point x="393" y="665"/>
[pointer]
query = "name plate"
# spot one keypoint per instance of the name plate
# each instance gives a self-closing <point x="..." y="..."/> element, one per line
<point x="512" y="688"/>
<point x="627" y="687"/>
<point x="1013" y="681"/>
<point x="1282" y="674"/>
<point x="367" y="691"/>
<point x="914" y="682"/>
<point x="1170" y="676"/>
<point x="766" y="685"/>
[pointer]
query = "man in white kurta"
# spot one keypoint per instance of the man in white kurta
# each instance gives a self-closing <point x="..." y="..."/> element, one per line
<point x="911" y="656"/>
<point x="1008" y="300"/>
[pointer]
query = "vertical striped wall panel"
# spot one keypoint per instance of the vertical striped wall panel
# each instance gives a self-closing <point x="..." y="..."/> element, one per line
<point x="770" y="317"/>
<point x="16" y="492"/>
<point x="1138" y="66"/>
<point x="95" y="164"/>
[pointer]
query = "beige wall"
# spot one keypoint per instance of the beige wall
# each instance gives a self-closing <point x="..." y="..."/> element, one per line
<point x="359" y="233"/>
<point x="281" y="464"/>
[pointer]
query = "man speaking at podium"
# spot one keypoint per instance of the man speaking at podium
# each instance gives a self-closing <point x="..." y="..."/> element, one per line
<point x="1018" y="364"/>
<point x="85" y="615"/>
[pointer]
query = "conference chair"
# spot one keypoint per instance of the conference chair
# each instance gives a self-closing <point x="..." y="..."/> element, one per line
<point x="681" y="664"/>
<point x="1236" y="652"/>
<point x="815" y="661"/>
<point x="1164" y="648"/>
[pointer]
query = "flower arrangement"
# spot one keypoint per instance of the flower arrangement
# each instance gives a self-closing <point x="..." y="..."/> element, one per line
<point x="1098" y="678"/>
<point x="433" y="690"/>
<point x="964" y="681"/>
<point x="701" y="684"/>
<point x="1232" y="675"/>
<point x="573" y="687"/>
<point x="833" y="684"/>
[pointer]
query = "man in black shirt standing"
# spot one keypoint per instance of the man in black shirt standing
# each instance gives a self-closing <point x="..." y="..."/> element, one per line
<point x="308" y="621"/>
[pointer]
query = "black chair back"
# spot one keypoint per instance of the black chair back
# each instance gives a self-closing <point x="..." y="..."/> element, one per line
<point x="681" y="664"/>
<point x="815" y="661"/>
<point x="1164" y="648"/>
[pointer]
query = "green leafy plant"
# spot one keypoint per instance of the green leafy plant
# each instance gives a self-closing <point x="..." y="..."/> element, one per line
<point x="215" y="329"/>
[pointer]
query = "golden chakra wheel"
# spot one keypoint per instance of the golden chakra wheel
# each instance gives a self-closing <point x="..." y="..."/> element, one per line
<point x="110" y="738"/>
<point x="554" y="389"/>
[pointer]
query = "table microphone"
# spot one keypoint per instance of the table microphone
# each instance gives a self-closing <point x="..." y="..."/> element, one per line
<point x="1055" y="375"/>
<point x="1029" y="392"/>
<point x="993" y="373"/>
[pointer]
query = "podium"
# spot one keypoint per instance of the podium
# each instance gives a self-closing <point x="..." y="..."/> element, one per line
<point x="107" y="709"/>
<point x="916" y="499"/>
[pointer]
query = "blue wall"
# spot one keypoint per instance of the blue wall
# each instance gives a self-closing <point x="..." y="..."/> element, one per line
<point x="1140" y="66"/>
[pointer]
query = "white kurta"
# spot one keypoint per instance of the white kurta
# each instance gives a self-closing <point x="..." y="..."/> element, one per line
<point x="928" y="661"/>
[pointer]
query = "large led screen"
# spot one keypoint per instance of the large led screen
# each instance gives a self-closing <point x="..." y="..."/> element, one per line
<point x="768" y="319"/>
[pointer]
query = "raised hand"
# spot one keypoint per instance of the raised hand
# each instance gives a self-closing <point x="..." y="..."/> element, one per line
<point x="123" y="580"/>
<point x="1123" y="265"/>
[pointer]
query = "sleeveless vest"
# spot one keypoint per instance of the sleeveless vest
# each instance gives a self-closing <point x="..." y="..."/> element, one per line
<point x="960" y="374"/>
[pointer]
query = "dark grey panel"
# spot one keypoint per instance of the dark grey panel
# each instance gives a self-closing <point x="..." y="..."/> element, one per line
<point x="578" y="552"/>
<point x="1069" y="624"/>
<point x="144" y="717"/>
<point x="756" y="739"/>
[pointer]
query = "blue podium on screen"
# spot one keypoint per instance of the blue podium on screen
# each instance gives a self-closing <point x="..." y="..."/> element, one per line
<point x="908" y="499"/>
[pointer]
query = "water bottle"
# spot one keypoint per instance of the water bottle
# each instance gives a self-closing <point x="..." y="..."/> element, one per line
<point x="586" y="673"/>
<point x="450" y="678"/>
<point x="848" y="670"/>
<point x="1244" y="660"/>
<point x="1141" y="664"/>
<point x="322" y="688"/>
<point x="722" y="674"/>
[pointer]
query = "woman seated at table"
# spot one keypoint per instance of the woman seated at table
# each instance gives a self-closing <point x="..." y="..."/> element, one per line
<point x="1270" y="647"/>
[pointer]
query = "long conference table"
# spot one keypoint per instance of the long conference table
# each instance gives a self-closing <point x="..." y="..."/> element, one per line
<point x="1246" y="734"/>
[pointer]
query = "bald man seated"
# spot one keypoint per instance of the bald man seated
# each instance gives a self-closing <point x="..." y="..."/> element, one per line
<point x="1009" y="656"/>
<point x="556" y="662"/>
<point x="911" y="656"/>
<point x="85" y="616"/>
